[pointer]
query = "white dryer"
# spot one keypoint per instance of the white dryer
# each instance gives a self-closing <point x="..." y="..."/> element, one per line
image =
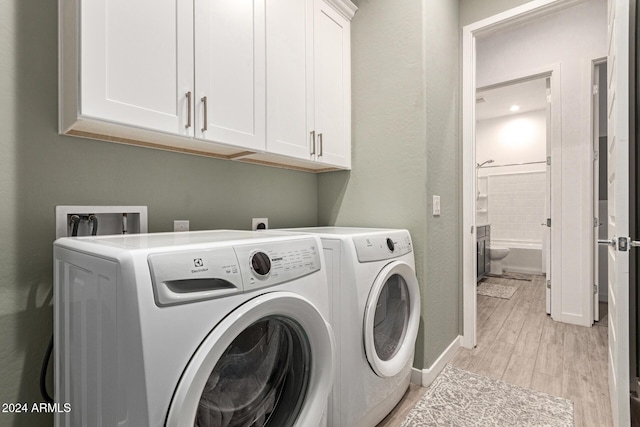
<point x="214" y="328"/>
<point x="375" y="316"/>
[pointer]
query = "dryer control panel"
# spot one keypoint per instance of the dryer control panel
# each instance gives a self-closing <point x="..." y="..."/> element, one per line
<point x="271" y="263"/>
<point x="378" y="247"/>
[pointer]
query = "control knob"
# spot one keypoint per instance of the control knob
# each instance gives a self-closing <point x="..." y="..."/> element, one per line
<point x="261" y="263"/>
<point x="390" y="244"/>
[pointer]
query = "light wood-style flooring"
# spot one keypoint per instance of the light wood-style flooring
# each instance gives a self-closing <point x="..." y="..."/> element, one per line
<point x="518" y="343"/>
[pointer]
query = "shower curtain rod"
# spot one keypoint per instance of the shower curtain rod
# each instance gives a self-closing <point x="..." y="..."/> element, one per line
<point x="514" y="164"/>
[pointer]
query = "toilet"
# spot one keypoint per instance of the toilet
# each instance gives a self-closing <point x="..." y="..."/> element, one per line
<point x="497" y="255"/>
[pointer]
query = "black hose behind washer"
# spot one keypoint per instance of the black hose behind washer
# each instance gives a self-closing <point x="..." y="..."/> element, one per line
<point x="93" y="220"/>
<point x="43" y="373"/>
<point x="75" y="222"/>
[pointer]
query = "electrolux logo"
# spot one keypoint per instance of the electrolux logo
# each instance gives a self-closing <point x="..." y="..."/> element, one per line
<point x="199" y="264"/>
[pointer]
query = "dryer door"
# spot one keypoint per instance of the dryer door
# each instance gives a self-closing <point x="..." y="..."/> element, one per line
<point x="268" y="363"/>
<point x="391" y="319"/>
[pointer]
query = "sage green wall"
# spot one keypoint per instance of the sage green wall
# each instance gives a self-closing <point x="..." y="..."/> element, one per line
<point x="40" y="169"/>
<point x="405" y="148"/>
<point x="444" y="178"/>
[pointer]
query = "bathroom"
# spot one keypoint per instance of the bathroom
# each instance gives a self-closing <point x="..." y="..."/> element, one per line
<point x="512" y="182"/>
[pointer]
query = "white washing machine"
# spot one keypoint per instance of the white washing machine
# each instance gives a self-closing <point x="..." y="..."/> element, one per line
<point x="212" y="328"/>
<point x="375" y="316"/>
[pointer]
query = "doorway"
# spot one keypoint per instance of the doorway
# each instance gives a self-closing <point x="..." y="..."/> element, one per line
<point x="499" y="52"/>
<point x="513" y="196"/>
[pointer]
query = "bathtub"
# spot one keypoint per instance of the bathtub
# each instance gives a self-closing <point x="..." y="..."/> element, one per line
<point x="524" y="257"/>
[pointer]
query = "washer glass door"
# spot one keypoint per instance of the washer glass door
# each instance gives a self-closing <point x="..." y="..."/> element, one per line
<point x="268" y="363"/>
<point x="261" y="378"/>
<point x="391" y="319"/>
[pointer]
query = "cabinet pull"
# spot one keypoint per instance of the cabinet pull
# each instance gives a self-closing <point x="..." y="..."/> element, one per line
<point x="313" y="142"/>
<point x="188" y="95"/>
<point x="204" y="100"/>
<point x="320" y="144"/>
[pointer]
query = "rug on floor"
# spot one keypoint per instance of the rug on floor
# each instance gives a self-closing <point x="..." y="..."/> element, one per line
<point x="496" y="290"/>
<point x="513" y="276"/>
<point x="461" y="398"/>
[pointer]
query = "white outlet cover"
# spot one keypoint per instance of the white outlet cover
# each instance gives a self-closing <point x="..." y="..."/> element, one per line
<point x="256" y="221"/>
<point x="436" y="205"/>
<point x="181" y="225"/>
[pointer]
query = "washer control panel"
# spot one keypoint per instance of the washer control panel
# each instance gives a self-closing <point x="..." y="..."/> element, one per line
<point x="182" y="277"/>
<point x="269" y="264"/>
<point x="378" y="247"/>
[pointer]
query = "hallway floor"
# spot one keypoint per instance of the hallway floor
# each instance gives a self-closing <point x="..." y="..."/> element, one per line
<point x="519" y="344"/>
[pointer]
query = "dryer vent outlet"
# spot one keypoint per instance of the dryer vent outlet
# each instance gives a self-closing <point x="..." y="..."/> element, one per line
<point x="259" y="224"/>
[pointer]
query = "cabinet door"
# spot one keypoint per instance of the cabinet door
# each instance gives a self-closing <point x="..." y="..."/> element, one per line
<point x="230" y="72"/>
<point x="332" y="76"/>
<point x="137" y="62"/>
<point x="289" y="34"/>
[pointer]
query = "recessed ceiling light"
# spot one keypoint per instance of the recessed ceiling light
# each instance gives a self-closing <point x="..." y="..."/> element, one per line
<point x="514" y="108"/>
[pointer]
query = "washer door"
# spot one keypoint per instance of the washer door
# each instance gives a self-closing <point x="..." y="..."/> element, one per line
<point x="268" y="363"/>
<point x="391" y="319"/>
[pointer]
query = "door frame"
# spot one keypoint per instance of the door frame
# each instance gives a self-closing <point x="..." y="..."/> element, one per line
<point x="470" y="32"/>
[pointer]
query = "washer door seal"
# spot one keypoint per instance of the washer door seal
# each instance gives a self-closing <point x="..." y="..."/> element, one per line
<point x="391" y="319"/>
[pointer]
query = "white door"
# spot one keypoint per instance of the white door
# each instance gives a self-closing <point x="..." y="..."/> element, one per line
<point x="391" y="319"/>
<point x="230" y="72"/>
<point x="289" y="38"/>
<point x="618" y="208"/>
<point x="269" y="363"/>
<point x="137" y="63"/>
<point x="332" y="94"/>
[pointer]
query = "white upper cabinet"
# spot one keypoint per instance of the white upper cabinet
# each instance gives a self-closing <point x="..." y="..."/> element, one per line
<point x="290" y="77"/>
<point x="332" y="76"/>
<point x="262" y="81"/>
<point x="309" y="80"/>
<point x="230" y="72"/>
<point x="136" y="62"/>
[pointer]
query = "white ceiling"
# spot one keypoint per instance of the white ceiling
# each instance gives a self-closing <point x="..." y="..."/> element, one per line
<point x="529" y="95"/>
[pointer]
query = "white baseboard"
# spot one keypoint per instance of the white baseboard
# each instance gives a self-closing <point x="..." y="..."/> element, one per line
<point x="416" y="376"/>
<point x="426" y="376"/>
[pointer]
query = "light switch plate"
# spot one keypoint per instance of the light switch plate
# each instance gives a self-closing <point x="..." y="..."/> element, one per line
<point x="436" y="205"/>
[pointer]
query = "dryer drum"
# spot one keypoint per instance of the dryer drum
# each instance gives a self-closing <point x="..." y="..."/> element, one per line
<point x="261" y="378"/>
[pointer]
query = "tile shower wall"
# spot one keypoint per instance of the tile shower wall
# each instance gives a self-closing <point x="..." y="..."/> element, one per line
<point x="516" y="206"/>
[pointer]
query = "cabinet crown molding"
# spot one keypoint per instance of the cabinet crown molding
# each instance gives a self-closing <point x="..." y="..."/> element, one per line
<point x="344" y="7"/>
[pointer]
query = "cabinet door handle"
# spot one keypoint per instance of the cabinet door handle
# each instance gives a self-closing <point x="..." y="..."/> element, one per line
<point x="313" y="142"/>
<point x="188" y="95"/>
<point x="320" y="144"/>
<point x="204" y="124"/>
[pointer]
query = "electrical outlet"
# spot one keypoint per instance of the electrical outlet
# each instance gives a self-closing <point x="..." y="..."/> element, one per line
<point x="181" y="225"/>
<point x="259" y="224"/>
